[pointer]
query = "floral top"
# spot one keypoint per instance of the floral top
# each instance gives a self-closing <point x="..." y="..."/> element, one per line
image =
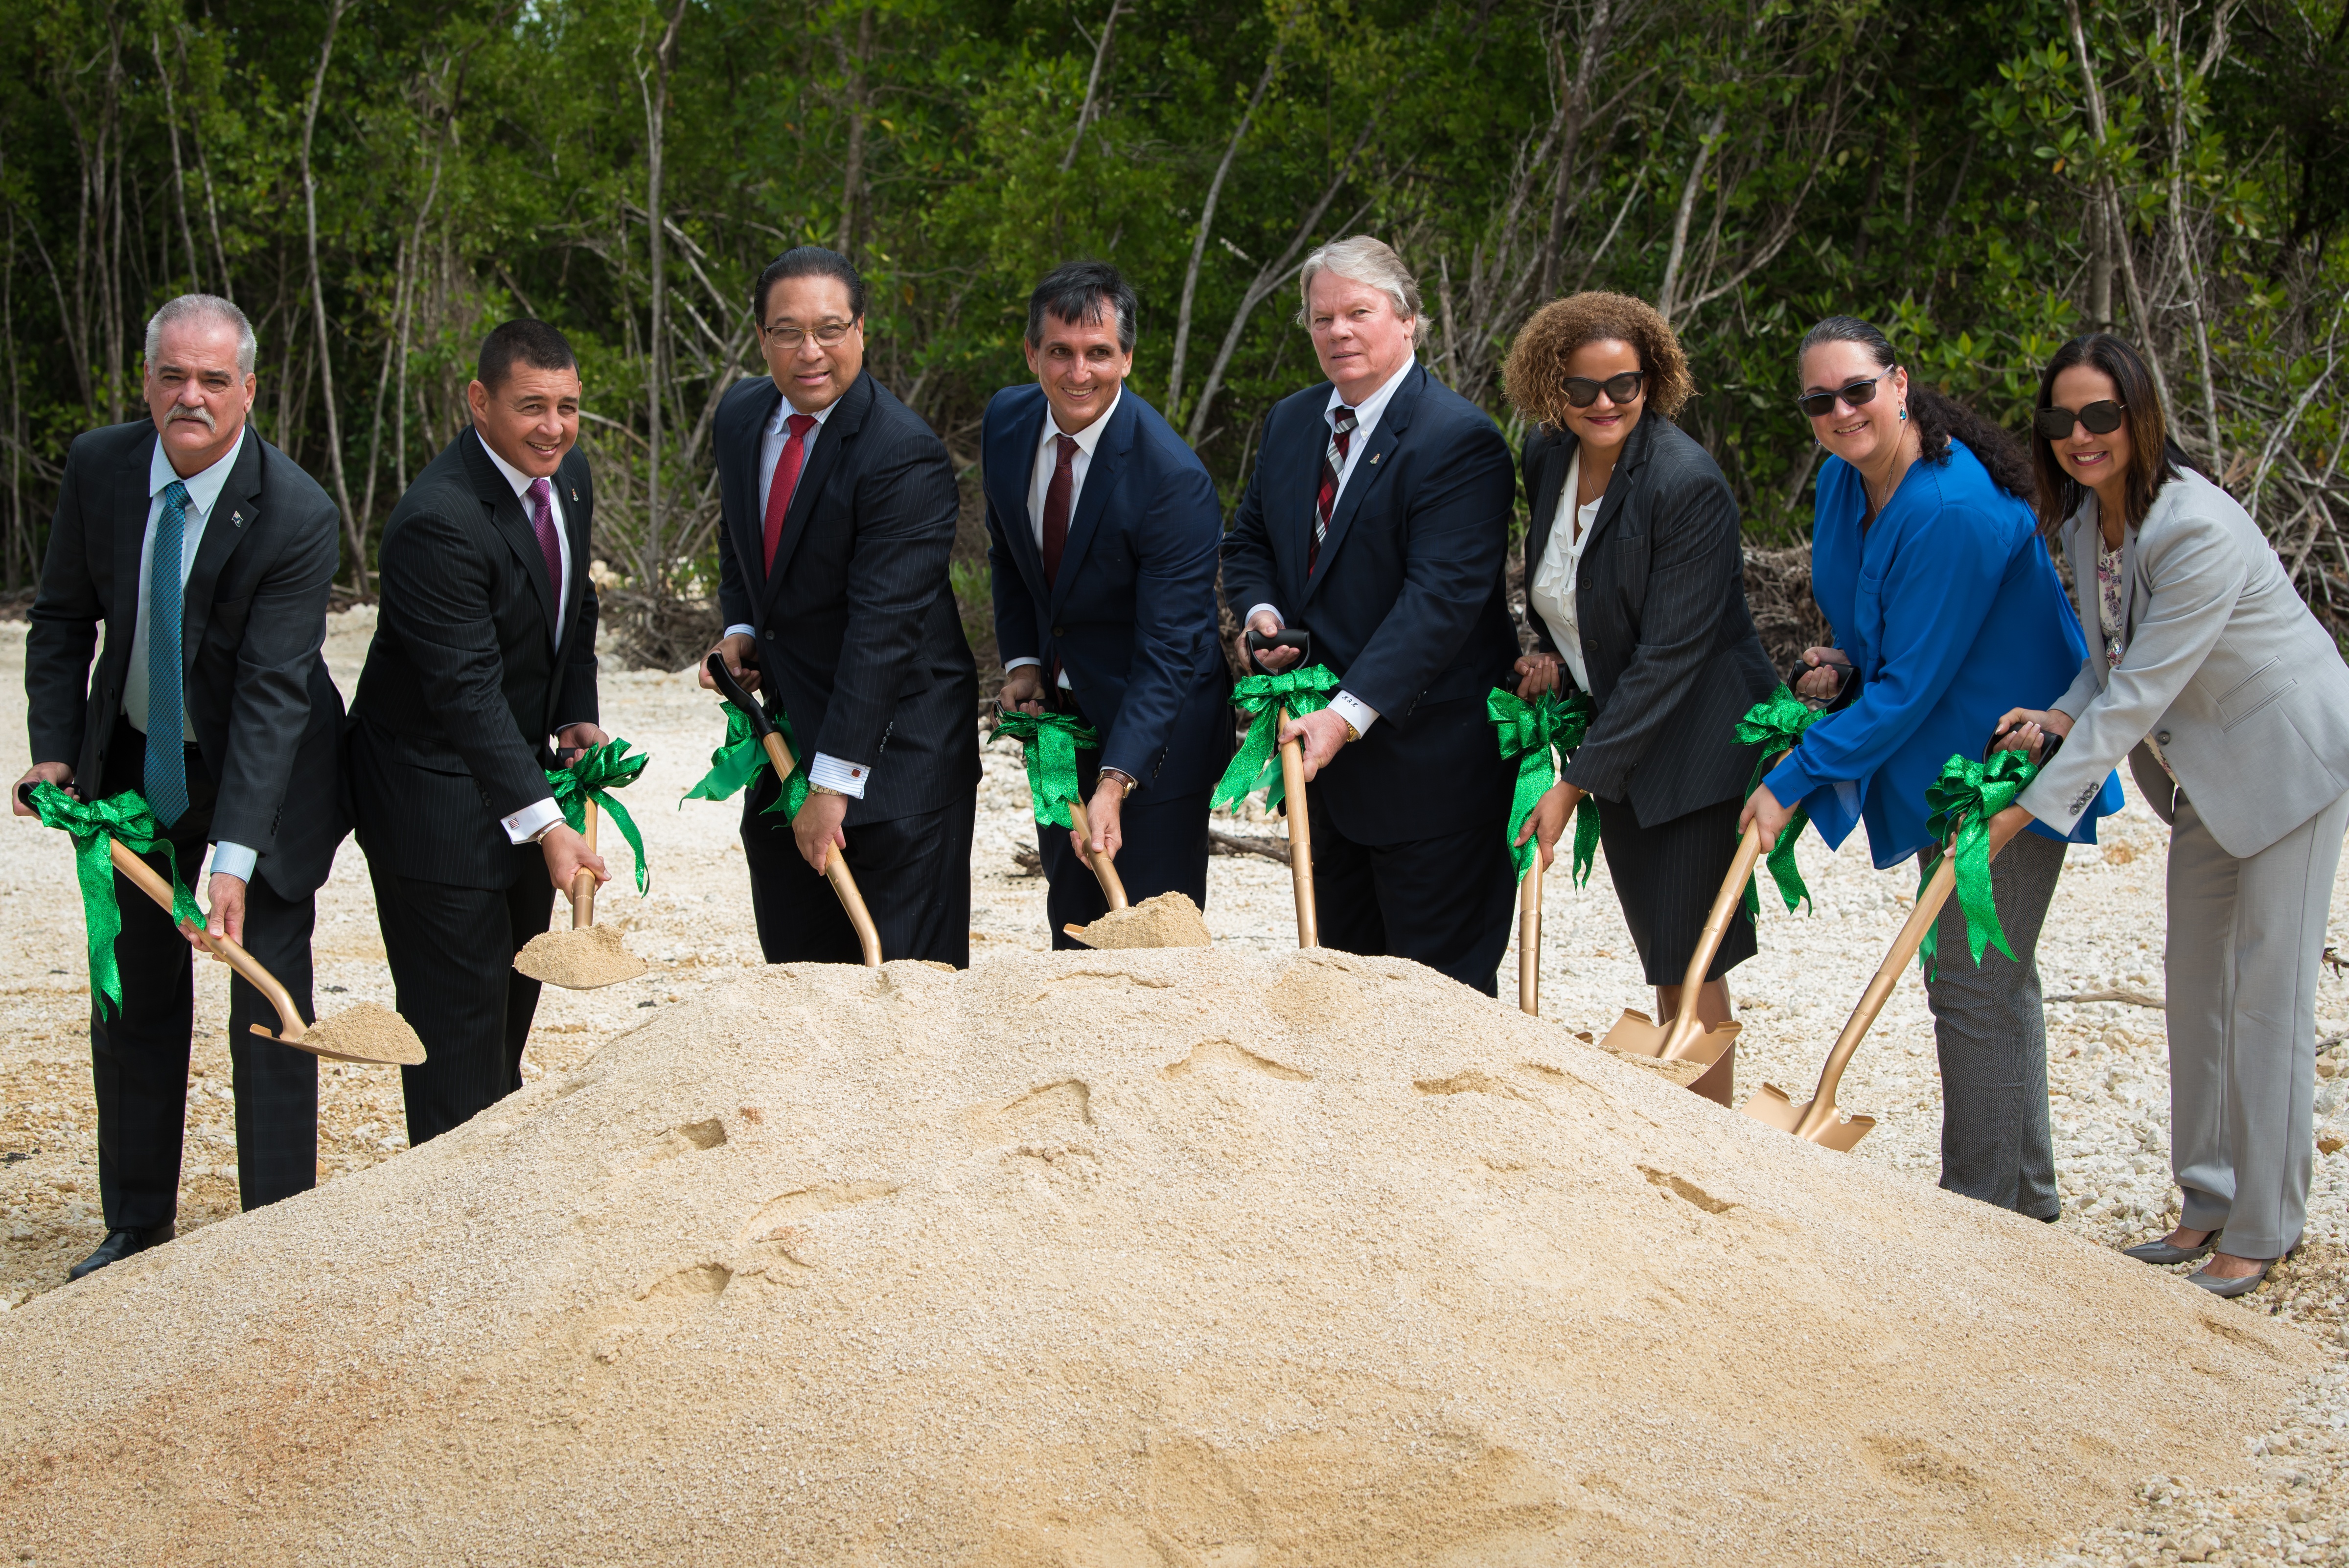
<point x="2112" y="610"/>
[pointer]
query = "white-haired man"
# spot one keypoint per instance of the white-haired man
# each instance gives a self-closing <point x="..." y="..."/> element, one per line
<point x="1377" y="520"/>
<point x="206" y="555"/>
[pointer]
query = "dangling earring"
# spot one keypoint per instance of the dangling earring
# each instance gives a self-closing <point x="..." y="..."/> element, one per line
<point x="1904" y="413"/>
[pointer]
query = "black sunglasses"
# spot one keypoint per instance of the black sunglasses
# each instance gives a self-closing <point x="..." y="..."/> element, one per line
<point x="1819" y="405"/>
<point x="2101" y="419"/>
<point x="1582" y="391"/>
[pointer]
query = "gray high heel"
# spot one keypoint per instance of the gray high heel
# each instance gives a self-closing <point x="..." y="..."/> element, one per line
<point x="2228" y="1290"/>
<point x="2162" y="1254"/>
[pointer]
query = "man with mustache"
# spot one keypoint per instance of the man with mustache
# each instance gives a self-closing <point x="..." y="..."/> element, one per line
<point x="206" y="555"/>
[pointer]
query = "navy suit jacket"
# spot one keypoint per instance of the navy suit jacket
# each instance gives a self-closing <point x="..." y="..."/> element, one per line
<point x="1132" y="615"/>
<point x="1407" y="601"/>
<point x="858" y="635"/>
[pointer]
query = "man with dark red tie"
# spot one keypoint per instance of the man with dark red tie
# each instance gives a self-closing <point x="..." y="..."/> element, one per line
<point x="839" y="509"/>
<point x="484" y="652"/>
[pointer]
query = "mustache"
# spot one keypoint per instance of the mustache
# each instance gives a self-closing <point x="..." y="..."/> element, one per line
<point x="200" y="413"/>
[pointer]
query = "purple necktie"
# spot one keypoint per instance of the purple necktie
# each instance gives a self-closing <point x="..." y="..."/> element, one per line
<point x="541" y="522"/>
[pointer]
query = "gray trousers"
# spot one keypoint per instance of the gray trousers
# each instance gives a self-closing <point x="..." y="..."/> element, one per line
<point x="1993" y="1039"/>
<point x="2246" y="942"/>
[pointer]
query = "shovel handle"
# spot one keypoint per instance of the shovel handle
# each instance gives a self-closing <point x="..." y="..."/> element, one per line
<point x="835" y="869"/>
<point x="582" y="885"/>
<point x="1529" y="901"/>
<point x="1686" y="1026"/>
<point x="143" y="876"/>
<point x="1822" y="1108"/>
<point x="1300" y="833"/>
<point x="1112" y="887"/>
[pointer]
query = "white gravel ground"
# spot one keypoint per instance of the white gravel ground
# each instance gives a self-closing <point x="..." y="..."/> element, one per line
<point x="2108" y="1068"/>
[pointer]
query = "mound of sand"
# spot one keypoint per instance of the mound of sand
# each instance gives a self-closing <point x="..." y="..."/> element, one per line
<point x="1164" y="921"/>
<point x="1190" y="1258"/>
<point x="581" y="958"/>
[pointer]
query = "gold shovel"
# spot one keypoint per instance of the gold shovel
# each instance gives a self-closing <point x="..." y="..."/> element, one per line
<point x="1113" y="887"/>
<point x="1686" y="1039"/>
<point x="1529" y="891"/>
<point x="400" y="1048"/>
<point x="586" y="957"/>
<point x="1301" y="831"/>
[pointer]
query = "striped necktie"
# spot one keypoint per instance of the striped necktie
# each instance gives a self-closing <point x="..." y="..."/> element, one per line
<point x="167" y="755"/>
<point x="1333" y="463"/>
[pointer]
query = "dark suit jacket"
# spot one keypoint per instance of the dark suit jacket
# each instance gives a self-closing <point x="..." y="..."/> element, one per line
<point x="1132" y="615"/>
<point x="1667" y="638"/>
<point x="464" y="684"/>
<point x="1406" y="602"/>
<point x="266" y="714"/>
<point x="859" y="637"/>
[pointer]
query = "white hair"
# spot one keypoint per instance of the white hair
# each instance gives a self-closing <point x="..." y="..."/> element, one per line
<point x="192" y="305"/>
<point x="1365" y="261"/>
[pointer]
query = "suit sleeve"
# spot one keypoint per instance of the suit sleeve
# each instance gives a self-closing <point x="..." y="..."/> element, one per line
<point x="2196" y="574"/>
<point x="63" y="632"/>
<point x="1251" y="577"/>
<point x="1014" y="606"/>
<point x="1174" y="607"/>
<point x="578" y="704"/>
<point x="1459" y="539"/>
<point x="435" y="599"/>
<point x="271" y="709"/>
<point x="1693" y="565"/>
<point x="1536" y="450"/>
<point x="733" y="586"/>
<point x="905" y="510"/>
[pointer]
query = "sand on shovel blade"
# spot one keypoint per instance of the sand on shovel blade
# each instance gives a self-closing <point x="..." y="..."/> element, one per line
<point x="579" y="960"/>
<point x="1197" y="1257"/>
<point x="366" y="1032"/>
<point x="1165" y="920"/>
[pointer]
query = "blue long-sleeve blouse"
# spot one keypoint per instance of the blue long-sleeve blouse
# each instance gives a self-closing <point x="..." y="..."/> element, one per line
<point x="1950" y="607"/>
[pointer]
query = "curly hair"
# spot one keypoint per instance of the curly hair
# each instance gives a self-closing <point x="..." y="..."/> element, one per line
<point x="1937" y="415"/>
<point x="1533" y="378"/>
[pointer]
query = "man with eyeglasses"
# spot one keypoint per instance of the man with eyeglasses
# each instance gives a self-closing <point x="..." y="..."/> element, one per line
<point x="839" y="512"/>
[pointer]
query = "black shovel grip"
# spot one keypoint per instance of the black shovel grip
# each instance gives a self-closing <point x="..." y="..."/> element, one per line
<point x="731" y="689"/>
<point x="1292" y="637"/>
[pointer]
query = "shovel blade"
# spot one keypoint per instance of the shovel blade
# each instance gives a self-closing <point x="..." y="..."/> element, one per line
<point x="1719" y="1083"/>
<point x="1842" y="1135"/>
<point x="1636" y="1034"/>
<point x="1772" y="1106"/>
<point x="595" y="963"/>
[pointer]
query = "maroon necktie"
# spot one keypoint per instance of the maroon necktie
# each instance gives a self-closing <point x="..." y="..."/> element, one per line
<point x="541" y="522"/>
<point x="1333" y="458"/>
<point x="786" y="479"/>
<point x="1056" y="509"/>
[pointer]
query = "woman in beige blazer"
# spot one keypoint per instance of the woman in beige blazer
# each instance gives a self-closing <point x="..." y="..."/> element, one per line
<point x="2232" y="706"/>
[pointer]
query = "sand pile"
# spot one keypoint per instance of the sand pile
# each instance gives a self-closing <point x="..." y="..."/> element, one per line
<point x="1154" y="1258"/>
<point x="580" y="958"/>
<point x="366" y="1032"/>
<point x="1165" y="920"/>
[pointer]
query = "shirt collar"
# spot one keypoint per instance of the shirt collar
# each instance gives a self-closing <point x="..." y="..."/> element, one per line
<point x="783" y="411"/>
<point x="204" y="486"/>
<point x="514" y="476"/>
<point x="1086" y="439"/>
<point x="1367" y="411"/>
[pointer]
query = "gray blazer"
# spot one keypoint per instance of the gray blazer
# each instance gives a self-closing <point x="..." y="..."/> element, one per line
<point x="2222" y="665"/>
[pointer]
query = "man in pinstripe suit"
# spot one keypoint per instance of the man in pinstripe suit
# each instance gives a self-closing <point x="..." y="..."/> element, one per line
<point x="484" y="647"/>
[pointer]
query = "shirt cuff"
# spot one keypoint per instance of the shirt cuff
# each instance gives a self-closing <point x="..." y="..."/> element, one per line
<point x="532" y="820"/>
<point x="740" y="631"/>
<point x="1012" y="664"/>
<point x="1268" y="609"/>
<point x="830" y="771"/>
<point x="234" y="860"/>
<point x="1354" y="711"/>
<point x="1790" y="781"/>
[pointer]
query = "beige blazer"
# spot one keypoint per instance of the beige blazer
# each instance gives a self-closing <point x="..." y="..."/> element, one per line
<point x="2223" y="666"/>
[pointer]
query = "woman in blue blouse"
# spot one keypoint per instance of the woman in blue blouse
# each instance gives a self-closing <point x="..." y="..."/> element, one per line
<point x="1926" y="561"/>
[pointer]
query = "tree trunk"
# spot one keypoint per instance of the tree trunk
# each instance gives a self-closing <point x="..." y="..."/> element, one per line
<point x="1092" y="84"/>
<point x="655" y="384"/>
<point x="1207" y="221"/>
<point x="1577" y="103"/>
<point x="318" y="304"/>
<point x="1664" y="295"/>
<point x="852" y="176"/>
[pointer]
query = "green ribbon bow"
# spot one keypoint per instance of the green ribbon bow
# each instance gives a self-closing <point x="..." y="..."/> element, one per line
<point x="1049" y="743"/>
<point x="739" y="758"/>
<point x="124" y="816"/>
<point x="1776" y="725"/>
<point x="598" y="770"/>
<point x="1963" y="801"/>
<point x="1257" y="765"/>
<point x="1527" y="731"/>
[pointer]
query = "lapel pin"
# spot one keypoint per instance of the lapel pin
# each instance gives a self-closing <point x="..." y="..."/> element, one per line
<point x="1374" y="458"/>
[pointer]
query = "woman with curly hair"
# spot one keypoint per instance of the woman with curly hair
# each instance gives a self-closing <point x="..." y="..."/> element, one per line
<point x="1927" y="561"/>
<point x="1636" y="593"/>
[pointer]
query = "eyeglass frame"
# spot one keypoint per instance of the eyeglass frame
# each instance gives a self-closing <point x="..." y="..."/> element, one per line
<point x="2077" y="419"/>
<point x="1842" y="394"/>
<point x="1638" y="379"/>
<point x="800" y="335"/>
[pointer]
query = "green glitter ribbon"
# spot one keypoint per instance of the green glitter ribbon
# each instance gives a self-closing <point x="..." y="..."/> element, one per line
<point x="739" y="758"/>
<point x="1261" y="697"/>
<point x="1527" y="731"/>
<point x="598" y="770"/>
<point x="1776" y="725"/>
<point x="1049" y="744"/>
<point x="92" y="827"/>
<point x="1963" y="801"/>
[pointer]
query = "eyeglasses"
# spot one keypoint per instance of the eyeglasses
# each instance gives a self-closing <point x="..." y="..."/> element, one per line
<point x="1582" y="391"/>
<point x="828" y="335"/>
<point x="2101" y="419"/>
<point x="1858" y="394"/>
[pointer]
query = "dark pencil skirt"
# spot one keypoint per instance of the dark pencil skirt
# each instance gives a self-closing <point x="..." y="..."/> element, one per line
<point x="1667" y="877"/>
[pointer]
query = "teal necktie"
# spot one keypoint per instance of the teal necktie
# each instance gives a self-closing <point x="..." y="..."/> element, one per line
<point x="167" y="756"/>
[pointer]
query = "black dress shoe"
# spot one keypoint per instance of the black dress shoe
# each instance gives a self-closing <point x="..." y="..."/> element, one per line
<point x="118" y="1245"/>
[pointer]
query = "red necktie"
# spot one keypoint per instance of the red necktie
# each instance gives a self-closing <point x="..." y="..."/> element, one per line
<point x="1056" y="509"/>
<point x="787" y="479"/>
<point x="1325" y="499"/>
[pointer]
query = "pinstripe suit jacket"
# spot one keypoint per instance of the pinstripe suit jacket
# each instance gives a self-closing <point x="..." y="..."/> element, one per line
<point x="1668" y="641"/>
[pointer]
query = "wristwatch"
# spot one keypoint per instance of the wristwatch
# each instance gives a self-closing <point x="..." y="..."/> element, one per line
<point x="1352" y="734"/>
<point x="1125" y="781"/>
<point x="814" y="788"/>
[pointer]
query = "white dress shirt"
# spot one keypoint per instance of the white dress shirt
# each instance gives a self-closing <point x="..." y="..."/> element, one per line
<point x="831" y="772"/>
<point x="1039" y="482"/>
<point x="535" y="819"/>
<point x="1551" y="593"/>
<point x="204" y="489"/>
<point x="1345" y="704"/>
